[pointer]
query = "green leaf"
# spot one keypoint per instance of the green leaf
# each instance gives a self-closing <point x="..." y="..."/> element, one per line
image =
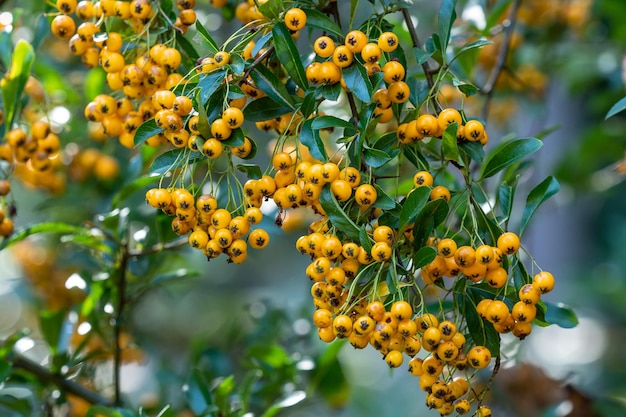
<point x="328" y="377"/>
<point x="100" y="410"/>
<point x="237" y="138"/>
<point x="252" y="171"/>
<point x="337" y="216"/>
<point x="308" y="105"/>
<point x="208" y="84"/>
<point x="184" y="44"/>
<point x="508" y="153"/>
<point x="288" y="55"/>
<point x="198" y="396"/>
<point x="446" y="17"/>
<point x="173" y="159"/>
<point x="357" y="81"/>
<point x="481" y="331"/>
<point x="266" y="81"/>
<point x="449" y="145"/>
<point x="94" y="82"/>
<point x="318" y="20"/>
<point x="208" y="40"/>
<point x="546" y="189"/>
<point x="177" y="275"/>
<point x="15" y="81"/>
<point x="617" y="107"/>
<point x="375" y="158"/>
<point x="472" y="45"/>
<point x="146" y="130"/>
<point x="433" y="213"/>
<point x="50" y="227"/>
<point x="468" y="89"/>
<point x="383" y="201"/>
<point x="5" y="369"/>
<point x="561" y="315"/>
<point x="412" y="205"/>
<point x="495" y="14"/>
<point x="506" y="194"/>
<point x="474" y="150"/>
<point x="263" y="109"/>
<point x="312" y="140"/>
<point x="424" y="256"/>
<point x="325" y="122"/>
<point x="271" y="9"/>
<point x="421" y="55"/>
<point x="365" y="240"/>
<point x="51" y="324"/>
<point x="131" y="188"/>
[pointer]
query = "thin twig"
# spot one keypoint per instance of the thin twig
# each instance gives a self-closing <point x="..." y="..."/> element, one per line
<point x="59" y="381"/>
<point x="503" y="53"/>
<point x="256" y="62"/>
<point x="159" y="247"/>
<point x="117" y="324"/>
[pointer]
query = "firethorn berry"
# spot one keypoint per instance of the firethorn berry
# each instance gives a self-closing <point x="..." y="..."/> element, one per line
<point x="523" y="313"/>
<point x="440" y="192"/>
<point x="508" y="243"/>
<point x="324" y="46"/>
<point x="295" y="19"/>
<point x="497" y="311"/>
<point x="465" y="256"/>
<point x="342" y="56"/>
<point x="423" y="178"/>
<point x="399" y="92"/>
<point x="394" y="358"/>
<point x="479" y="357"/>
<point x="5" y="187"/>
<point x="393" y="71"/>
<point x="371" y="53"/>
<point x="483" y="411"/>
<point x="474" y="130"/>
<point x="446" y="247"/>
<point x="543" y="282"/>
<point x="529" y="294"/>
<point x="462" y="406"/>
<point x="388" y="41"/>
<point x="355" y="41"/>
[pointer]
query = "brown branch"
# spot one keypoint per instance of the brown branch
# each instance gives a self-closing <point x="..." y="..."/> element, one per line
<point x="67" y="385"/>
<point x="428" y="72"/>
<point x="256" y="62"/>
<point x="503" y="53"/>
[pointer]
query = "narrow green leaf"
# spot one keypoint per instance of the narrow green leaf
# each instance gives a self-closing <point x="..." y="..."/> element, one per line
<point x="508" y="153"/>
<point x="384" y="201"/>
<point x="412" y="205"/>
<point x="208" y="84"/>
<point x="264" y="108"/>
<point x="15" y="81"/>
<point x="198" y="396"/>
<point x="187" y="46"/>
<point x="146" y="130"/>
<point x="237" y="138"/>
<point x="51" y="324"/>
<point x="266" y="81"/>
<point x="208" y="40"/>
<point x="506" y="194"/>
<point x="337" y="216"/>
<point x="561" y="315"/>
<point x="616" y="108"/>
<point x="5" y="369"/>
<point x="252" y="171"/>
<point x="176" y="275"/>
<point x="446" y="17"/>
<point x="131" y="188"/>
<point x="357" y="81"/>
<point x="173" y="159"/>
<point x="474" y="150"/>
<point x="50" y="227"/>
<point x="318" y="20"/>
<point x="312" y="140"/>
<point x="308" y="105"/>
<point x="288" y="55"/>
<point x="472" y="45"/>
<point x="468" y="89"/>
<point x="421" y="55"/>
<point x="495" y="14"/>
<point x="166" y="412"/>
<point x="375" y="158"/>
<point x="424" y="256"/>
<point x="271" y="9"/>
<point x="324" y="122"/>
<point x="546" y="189"/>
<point x="449" y="145"/>
<point x="433" y="213"/>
